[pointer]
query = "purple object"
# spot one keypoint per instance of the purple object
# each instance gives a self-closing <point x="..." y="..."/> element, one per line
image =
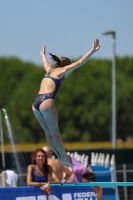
<point x="78" y="170"/>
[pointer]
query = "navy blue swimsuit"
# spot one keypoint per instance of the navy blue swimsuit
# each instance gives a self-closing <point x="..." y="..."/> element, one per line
<point x="42" y="97"/>
<point x="37" y="178"/>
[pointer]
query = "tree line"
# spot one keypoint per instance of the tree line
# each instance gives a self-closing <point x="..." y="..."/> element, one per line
<point x="84" y="101"/>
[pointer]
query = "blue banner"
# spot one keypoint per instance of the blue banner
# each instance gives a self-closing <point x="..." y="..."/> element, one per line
<point x="58" y="193"/>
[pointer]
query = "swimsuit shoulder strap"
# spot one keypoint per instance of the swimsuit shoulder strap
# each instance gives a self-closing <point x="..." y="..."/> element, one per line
<point x="50" y="72"/>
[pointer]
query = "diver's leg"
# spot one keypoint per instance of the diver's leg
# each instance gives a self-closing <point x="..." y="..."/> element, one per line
<point x="50" y="115"/>
<point x="44" y="126"/>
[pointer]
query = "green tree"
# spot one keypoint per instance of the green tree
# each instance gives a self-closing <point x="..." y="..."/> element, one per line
<point x="83" y="102"/>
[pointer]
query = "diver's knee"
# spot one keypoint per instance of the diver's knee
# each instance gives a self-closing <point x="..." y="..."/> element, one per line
<point x="54" y="131"/>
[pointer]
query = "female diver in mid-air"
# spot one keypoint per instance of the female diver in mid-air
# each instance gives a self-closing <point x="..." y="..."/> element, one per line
<point x="43" y="106"/>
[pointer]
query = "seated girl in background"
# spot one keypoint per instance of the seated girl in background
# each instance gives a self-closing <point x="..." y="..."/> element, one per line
<point x="39" y="173"/>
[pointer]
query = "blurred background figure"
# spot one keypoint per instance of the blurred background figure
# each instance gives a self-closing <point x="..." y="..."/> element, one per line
<point x="78" y="170"/>
<point x="90" y="177"/>
<point x="39" y="173"/>
<point x="61" y="171"/>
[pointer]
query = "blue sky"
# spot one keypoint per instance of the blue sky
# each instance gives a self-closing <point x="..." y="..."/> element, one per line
<point x="66" y="27"/>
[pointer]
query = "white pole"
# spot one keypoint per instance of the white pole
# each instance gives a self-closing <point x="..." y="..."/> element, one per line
<point x="114" y="95"/>
<point x="114" y="136"/>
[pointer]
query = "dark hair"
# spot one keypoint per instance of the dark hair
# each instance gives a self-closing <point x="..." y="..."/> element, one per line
<point x="60" y="62"/>
<point x="33" y="158"/>
<point x="89" y="176"/>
